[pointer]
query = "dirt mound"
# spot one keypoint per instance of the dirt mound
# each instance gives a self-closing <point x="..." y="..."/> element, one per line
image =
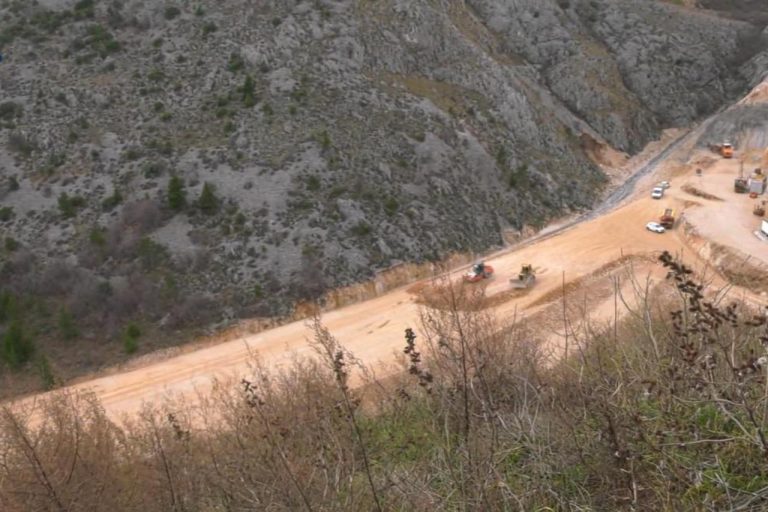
<point x="738" y="268"/>
<point x="690" y="189"/>
<point x="447" y="295"/>
<point x="603" y="154"/>
<point x="572" y="286"/>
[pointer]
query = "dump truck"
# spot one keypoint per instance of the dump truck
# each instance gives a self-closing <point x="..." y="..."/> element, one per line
<point x="478" y="272"/>
<point x="525" y="278"/>
<point x="667" y="218"/>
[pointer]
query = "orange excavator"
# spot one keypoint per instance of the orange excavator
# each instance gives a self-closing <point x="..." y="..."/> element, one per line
<point x="478" y="272"/>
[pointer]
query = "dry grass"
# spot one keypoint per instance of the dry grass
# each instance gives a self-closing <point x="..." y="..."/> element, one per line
<point x="665" y="411"/>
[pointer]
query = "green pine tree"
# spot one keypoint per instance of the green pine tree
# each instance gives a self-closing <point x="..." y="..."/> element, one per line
<point x="7" y="306"/>
<point x="67" y="327"/>
<point x="17" y="347"/>
<point x="208" y="202"/>
<point x="177" y="195"/>
<point x="46" y="373"/>
<point x="249" y="92"/>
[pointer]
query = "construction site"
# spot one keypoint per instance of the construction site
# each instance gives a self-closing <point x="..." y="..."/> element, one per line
<point x="712" y="213"/>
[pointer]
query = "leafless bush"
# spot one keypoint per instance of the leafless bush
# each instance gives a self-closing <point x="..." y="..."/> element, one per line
<point x="664" y="410"/>
<point x="193" y="311"/>
<point x="136" y="220"/>
<point x="21" y="144"/>
<point x="134" y="296"/>
<point x="57" y="279"/>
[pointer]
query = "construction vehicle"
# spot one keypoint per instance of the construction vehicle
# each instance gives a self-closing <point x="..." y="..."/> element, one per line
<point x="756" y="183"/>
<point x="667" y="218"/>
<point x="725" y="149"/>
<point x="759" y="209"/>
<point x="525" y="278"/>
<point x="478" y="272"/>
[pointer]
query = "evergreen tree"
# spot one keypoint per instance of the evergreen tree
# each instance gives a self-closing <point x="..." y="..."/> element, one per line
<point x="249" y="94"/>
<point x="208" y="202"/>
<point x="17" y="346"/>
<point x="67" y="326"/>
<point x="46" y="373"/>
<point x="7" y="306"/>
<point x="177" y="195"/>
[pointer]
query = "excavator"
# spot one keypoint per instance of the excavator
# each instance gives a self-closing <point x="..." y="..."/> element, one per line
<point x="478" y="272"/>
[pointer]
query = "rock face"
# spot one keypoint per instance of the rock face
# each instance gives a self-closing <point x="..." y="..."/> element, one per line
<point x="234" y="156"/>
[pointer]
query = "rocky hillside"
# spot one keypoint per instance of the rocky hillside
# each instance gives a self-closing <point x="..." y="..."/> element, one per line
<point x="186" y="162"/>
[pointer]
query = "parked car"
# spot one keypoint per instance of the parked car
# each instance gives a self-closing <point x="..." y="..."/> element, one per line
<point x="655" y="227"/>
<point x="657" y="193"/>
<point x="663" y="184"/>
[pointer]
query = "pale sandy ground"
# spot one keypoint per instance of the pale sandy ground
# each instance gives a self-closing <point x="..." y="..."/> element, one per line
<point x="373" y="330"/>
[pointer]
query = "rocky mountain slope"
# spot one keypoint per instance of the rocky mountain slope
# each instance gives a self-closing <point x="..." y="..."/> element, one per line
<point x="185" y="162"/>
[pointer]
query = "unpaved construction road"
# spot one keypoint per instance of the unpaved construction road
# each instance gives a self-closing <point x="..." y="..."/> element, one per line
<point x="577" y="252"/>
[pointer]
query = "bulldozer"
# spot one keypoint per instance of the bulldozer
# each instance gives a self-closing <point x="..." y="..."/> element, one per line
<point x="525" y="278"/>
<point x="478" y="272"/>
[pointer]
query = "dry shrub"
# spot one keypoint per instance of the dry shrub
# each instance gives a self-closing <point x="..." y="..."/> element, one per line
<point x="664" y="410"/>
<point x="192" y="311"/>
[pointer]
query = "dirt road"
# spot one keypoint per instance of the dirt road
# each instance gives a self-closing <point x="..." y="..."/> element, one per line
<point x="373" y="330"/>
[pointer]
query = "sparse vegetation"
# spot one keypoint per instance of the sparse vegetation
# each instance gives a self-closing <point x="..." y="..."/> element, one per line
<point x="11" y="244"/>
<point x="68" y="205"/>
<point x="236" y="62"/>
<point x="20" y="144"/>
<point x="362" y="228"/>
<point x="391" y="206"/>
<point x="209" y="28"/>
<point x="171" y="12"/>
<point x="66" y="323"/>
<point x="10" y="111"/>
<point x="112" y="201"/>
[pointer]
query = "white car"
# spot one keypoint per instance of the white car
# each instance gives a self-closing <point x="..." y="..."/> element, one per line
<point x="657" y="193"/>
<point x="663" y="185"/>
<point x="655" y="227"/>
